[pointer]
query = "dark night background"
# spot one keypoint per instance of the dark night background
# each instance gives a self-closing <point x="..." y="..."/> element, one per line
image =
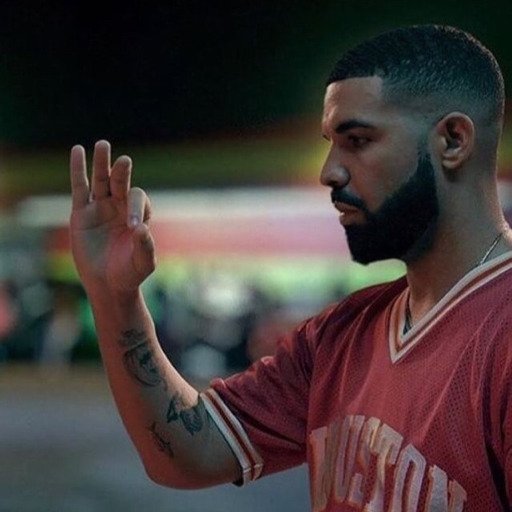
<point x="169" y="71"/>
<point x="216" y="96"/>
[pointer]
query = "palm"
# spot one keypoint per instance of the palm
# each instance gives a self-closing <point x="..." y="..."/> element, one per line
<point x="103" y="244"/>
<point x="99" y="236"/>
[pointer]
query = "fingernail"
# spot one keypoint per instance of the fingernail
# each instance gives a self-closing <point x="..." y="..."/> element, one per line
<point x="134" y="220"/>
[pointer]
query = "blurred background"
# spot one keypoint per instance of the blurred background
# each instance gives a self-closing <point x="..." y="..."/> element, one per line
<point x="219" y="105"/>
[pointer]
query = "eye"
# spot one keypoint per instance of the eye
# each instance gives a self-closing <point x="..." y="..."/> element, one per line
<point x="357" y="142"/>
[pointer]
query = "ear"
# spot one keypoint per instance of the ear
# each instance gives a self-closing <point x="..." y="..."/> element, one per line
<point x="454" y="140"/>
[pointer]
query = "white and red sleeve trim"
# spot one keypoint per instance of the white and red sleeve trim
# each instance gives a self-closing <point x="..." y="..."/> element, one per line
<point x="232" y="430"/>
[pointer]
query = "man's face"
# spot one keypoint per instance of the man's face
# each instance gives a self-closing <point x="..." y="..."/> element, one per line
<point x="382" y="179"/>
<point x="404" y="224"/>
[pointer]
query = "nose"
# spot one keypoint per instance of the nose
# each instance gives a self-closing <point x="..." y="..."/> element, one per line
<point x="333" y="173"/>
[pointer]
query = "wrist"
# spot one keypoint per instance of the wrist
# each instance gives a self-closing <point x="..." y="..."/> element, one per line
<point x="119" y="311"/>
<point x="114" y="301"/>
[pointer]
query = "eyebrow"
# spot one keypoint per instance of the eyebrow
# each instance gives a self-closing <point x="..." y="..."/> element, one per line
<point x="349" y="125"/>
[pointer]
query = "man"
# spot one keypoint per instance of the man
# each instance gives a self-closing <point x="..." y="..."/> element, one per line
<point x="399" y="397"/>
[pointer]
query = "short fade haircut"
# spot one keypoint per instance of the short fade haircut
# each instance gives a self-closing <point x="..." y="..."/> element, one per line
<point x="434" y="67"/>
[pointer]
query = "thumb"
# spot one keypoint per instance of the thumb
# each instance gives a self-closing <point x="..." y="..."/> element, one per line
<point x="144" y="258"/>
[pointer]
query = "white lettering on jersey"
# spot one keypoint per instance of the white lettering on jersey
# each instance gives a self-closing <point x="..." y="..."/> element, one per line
<point x="346" y="451"/>
<point x="409" y="473"/>
<point x="319" y="487"/>
<point x="437" y="494"/>
<point x="458" y="497"/>
<point x="386" y="448"/>
<point x="326" y="444"/>
<point x="345" y="463"/>
<point x="368" y="435"/>
<point x="441" y="496"/>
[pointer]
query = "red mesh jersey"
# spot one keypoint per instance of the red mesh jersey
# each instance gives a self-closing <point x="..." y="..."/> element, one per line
<point x="386" y="422"/>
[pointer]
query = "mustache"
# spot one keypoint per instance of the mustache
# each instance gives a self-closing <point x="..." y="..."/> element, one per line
<point x="340" y="195"/>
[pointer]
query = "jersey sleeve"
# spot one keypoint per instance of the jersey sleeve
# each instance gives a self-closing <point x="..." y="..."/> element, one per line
<point x="262" y="412"/>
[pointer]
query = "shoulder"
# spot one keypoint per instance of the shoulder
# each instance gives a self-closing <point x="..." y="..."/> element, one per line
<point x="338" y="316"/>
<point x="489" y="325"/>
<point x="353" y="305"/>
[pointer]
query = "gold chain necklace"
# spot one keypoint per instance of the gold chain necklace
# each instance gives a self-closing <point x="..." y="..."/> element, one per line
<point x="495" y="242"/>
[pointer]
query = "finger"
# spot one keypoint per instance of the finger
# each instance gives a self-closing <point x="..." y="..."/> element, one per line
<point x="139" y="207"/>
<point x="144" y="258"/>
<point x="120" y="178"/>
<point x="78" y="175"/>
<point x="101" y="170"/>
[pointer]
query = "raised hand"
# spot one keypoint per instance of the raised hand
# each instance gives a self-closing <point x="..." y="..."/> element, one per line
<point x="111" y="242"/>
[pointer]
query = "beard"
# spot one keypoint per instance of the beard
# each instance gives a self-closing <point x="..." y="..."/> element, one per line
<point x="404" y="225"/>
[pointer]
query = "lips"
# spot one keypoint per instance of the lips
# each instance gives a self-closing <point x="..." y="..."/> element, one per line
<point x="345" y="208"/>
<point x="348" y="214"/>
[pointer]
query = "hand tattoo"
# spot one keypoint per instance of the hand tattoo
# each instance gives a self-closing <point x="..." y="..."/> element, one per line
<point x="191" y="418"/>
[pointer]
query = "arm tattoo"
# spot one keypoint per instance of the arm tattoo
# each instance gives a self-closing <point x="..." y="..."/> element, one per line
<point x="172" y="411"/>
<point x="191" y="418"/>
<point x="162" y="445"/>
<point x="132" y="337"/>
<point x="140" y="363"/>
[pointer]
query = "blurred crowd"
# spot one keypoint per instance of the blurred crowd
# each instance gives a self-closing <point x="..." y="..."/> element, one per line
<point x="214" y="322"/>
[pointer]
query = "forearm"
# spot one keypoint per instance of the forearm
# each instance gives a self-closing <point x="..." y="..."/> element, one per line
<point x="114" y="253"/>
<point x="176" y="439"/>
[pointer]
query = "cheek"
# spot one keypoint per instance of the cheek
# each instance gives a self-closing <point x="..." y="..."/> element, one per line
<point x="377" y="182"/>
<point x="395" y="170"/>
<point x="380" y="170"/>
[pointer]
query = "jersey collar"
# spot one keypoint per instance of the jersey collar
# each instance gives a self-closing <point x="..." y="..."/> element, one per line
<point x="401" y="344"/>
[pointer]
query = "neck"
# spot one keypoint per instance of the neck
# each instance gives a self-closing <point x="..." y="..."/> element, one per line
<point x="453" y="254"/>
